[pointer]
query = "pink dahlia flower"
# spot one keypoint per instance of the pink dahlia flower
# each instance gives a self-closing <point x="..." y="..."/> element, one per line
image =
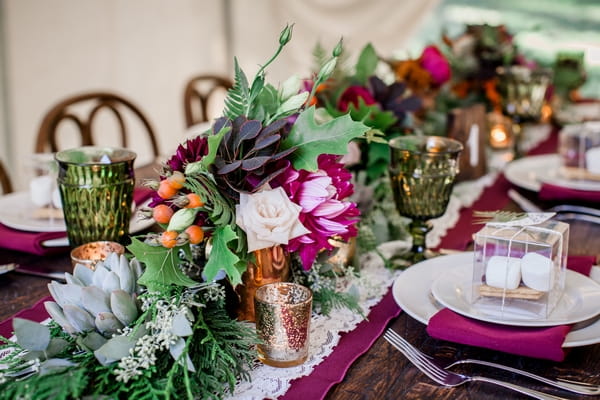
<point x="351" y="96"/>
<point x="436" y="64"/>
<point x="324" y="213"/>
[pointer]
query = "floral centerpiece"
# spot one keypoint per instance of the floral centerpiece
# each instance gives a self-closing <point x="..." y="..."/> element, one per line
<point x="158" y="325"/>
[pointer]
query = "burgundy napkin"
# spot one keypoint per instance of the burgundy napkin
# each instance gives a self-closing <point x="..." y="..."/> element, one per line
<point x="36" y="313"/>
<point x="543" y="342"/>
<point x="558" y="193"/>
<point x="31" y="242"/>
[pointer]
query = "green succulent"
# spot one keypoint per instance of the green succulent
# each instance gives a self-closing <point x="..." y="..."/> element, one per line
<point x="101" y="300"/>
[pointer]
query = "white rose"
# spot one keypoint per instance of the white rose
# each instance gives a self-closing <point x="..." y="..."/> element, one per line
<point x="269" y="218"/>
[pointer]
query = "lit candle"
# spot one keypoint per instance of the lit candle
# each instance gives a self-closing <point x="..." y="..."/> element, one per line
<point x="499" y="137"/>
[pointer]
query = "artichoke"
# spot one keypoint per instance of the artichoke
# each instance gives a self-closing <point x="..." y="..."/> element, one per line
<point x="101" y="300"/>
<point x="248" y="156"/>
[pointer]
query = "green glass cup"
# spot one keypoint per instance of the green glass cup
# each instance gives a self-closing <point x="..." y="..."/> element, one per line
<point x="96" y="188"/>
<point x="422" y="173"/>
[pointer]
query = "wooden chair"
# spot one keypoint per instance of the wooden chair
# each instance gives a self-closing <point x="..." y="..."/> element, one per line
<point x="5" y="180"/>
<point x="69" y="109"/>
<point x="197" y="95"/>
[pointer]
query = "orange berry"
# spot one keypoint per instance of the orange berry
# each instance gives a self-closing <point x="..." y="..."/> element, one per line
<point x="194" y="201"/>
<point x="169" y="239"/>
<point x="165" y="190"/>
<point x="176" y="180"/>
<point x="195" y="233"/>
<point x="162" y="213"/>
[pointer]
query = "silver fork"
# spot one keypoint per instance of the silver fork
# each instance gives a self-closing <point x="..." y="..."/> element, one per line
<point x="451" y="379"/>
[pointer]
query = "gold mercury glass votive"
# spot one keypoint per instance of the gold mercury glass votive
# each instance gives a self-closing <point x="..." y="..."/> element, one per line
<point x="283" y="312"/>
<point x="90" y="254"/>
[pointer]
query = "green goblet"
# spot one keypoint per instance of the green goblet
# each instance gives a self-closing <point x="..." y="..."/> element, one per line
<point x="422" y="172"/>
<point x="96" y="188"/>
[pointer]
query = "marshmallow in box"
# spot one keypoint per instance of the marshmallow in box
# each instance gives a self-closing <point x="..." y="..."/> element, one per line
<point x="519" y="268"/>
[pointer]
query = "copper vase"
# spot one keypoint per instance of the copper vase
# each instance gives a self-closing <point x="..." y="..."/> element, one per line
<point x="272" y="265"/>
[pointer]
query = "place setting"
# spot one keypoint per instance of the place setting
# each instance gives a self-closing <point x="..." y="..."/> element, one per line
<point x="570" y="174"/>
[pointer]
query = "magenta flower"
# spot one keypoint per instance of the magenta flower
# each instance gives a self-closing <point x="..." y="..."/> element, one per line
<point x="191" y="151"/>
<point x="324" y="213"/>
<point x="436" y="64"/>
<point x="351" y="96"/>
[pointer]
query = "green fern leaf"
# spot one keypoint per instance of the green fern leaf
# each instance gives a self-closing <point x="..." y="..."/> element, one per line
<point x="238" y="97"/>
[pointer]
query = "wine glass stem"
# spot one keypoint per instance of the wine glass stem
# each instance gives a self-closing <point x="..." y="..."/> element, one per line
<point x="418" y="231"/>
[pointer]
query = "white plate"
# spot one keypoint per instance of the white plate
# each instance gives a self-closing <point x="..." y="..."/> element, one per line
<point x="530" y="172"/>
<point x="579" y="301"/>
<point x="16" y="210"/>
<point x="412" y="292"/>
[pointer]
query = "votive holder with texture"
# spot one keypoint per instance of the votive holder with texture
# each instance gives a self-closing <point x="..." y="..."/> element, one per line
<point x="96" y="187"/>
<point x="92" y="253"/>
<point x="283" y="312"/>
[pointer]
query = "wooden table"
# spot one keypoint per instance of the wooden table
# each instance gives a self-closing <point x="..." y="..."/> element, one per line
<point x="383" y="372"/>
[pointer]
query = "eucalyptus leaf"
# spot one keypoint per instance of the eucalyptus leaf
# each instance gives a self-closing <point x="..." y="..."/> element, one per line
<point x="181" y="325"/>
<point x="57" y="345"/>
<point x="31" y="335"/>
<point x="53" y="365"/>
<point x="114" y="349"/>
<point x="176" y="351"/>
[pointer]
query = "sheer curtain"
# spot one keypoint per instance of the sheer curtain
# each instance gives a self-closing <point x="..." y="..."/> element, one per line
<point x="388" y="24"/>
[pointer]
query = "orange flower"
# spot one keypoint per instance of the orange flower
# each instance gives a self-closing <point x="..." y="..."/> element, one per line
<point x="461" y="89"/>
<point x="416" y="77"/>
<point x="491" y="93"/>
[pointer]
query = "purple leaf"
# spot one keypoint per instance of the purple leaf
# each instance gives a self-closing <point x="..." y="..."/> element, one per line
<point x="227" y="168"/>
<point x="265" y="142"/>
<point x="284" y="153"/>
<point x="249" y="130"/>
<point x="254" y="163"/>
<point x="272" y="128"/>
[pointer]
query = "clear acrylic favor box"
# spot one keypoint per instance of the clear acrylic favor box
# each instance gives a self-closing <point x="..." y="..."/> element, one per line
<point x="519" y="271"/>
